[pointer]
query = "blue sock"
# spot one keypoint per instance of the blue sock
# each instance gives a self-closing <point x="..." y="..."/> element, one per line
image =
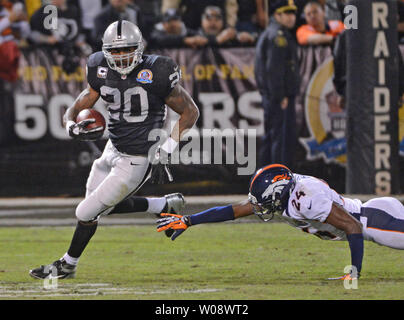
<point x="356" y="245"/>
<point x="216" y="214"/>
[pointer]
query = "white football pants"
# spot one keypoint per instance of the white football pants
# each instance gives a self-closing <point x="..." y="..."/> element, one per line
<point x="383" y="222"/>
<point x="113" y="177"/>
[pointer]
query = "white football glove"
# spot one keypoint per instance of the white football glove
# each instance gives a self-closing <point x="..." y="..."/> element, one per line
<point x="78" y="130"/>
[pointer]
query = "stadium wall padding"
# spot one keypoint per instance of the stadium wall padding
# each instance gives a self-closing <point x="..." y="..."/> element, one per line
<point x="372" y="100"/>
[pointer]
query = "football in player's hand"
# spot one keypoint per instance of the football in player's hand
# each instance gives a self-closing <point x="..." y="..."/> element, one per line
<point x="88" y="114"/>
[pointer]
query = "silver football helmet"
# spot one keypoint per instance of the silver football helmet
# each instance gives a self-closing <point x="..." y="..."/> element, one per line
<point x="122" y="34"/>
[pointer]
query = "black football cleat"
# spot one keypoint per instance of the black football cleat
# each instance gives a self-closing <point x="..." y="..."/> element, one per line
<point x="59" y="269"/>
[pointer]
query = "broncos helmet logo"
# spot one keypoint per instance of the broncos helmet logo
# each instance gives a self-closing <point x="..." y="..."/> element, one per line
<point x="274" y="188"/>
<point x="269" y="189"/>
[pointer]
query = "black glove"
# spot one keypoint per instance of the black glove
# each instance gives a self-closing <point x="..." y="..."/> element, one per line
<point x="78" y="131"/>
<point x="160" y="171"/>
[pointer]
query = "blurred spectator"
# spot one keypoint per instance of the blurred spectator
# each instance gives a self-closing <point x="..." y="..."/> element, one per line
<point x="88" y="12"/>
<point x="172" y="33"/>
<point x="150" y="14"/>
<point x="191" y="10"/>
<point x="252" y="16"/>
<point x="262" y="13"/>
<point x="31" y="6"/>
<point x="400" y="24"/>
<point x="339" y="78"/>
<point x="277" y="77"/>
<point x="300" y="19"/>
<point x="213" y="28"/>
<point x="340" y="72"/>
<point x="13" y="26"/>
<point x="19" y="25"/>
<point x="68" y="28"/>
<point x="318" y="31"/>
<point x="333" y="9"/>
<point x="66" y="37"/>
<point x="115" y="10"/>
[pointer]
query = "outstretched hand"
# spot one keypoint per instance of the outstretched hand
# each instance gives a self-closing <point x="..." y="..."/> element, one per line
<point x="175" y="222"/>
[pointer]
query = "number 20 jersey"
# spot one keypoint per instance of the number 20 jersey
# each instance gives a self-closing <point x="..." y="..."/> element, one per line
<point x="135" y="102"/>
<point x="310" y="204"/>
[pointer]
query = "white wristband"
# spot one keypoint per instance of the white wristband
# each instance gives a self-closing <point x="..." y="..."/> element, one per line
<point x="68" y="125"/>
<point x="169" y="145"/>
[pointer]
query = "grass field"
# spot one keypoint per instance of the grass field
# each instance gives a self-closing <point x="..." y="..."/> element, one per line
<point x="219" y="261"/>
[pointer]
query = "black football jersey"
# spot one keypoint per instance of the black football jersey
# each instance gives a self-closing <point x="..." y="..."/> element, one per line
<point x="136" y="102"/>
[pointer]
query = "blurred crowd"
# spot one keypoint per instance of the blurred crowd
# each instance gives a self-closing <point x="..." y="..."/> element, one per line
<point x="164" y="23"/>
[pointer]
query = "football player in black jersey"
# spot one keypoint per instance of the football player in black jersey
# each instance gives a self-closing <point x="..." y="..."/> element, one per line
<point x="136" y="88"/>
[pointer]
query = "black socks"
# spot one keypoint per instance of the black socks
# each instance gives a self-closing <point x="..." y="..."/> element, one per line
<point x="132" y="204"/>
<point x="82" y="235"/>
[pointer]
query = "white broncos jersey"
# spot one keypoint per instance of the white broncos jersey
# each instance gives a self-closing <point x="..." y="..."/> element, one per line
<point x="310" y="204"/>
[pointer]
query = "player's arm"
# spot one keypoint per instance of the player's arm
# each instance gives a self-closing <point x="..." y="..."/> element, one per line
<point x="181" y="102"/>
<point x="342" y="220"/>
<point x="242" y="209"/>
<point x="217" y="214"/>
<point x="87" y="98"/>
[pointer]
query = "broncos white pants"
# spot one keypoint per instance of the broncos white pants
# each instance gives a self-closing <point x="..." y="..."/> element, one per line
<point x="383" y="222"/>
<point x="113" y="177"/>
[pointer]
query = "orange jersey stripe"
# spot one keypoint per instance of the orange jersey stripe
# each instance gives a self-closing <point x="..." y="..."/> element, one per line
<point x="384" y="230"/>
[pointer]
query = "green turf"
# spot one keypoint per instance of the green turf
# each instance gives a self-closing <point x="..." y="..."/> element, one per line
<point x="235" y="261"/>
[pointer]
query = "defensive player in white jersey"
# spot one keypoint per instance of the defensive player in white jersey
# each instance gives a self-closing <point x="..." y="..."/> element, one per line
<point x="136" y="88"/>
<point x="309" y="204"/>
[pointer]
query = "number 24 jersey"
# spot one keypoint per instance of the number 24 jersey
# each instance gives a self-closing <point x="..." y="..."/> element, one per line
<point x="135" y="102"/>
<point x="310" y="204"/>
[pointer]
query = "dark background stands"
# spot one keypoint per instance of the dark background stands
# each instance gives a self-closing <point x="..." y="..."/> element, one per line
<point x="115" y="10"/>
<point x="171" y="32"/>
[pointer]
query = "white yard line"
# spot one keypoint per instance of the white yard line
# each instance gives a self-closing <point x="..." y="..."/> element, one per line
<point x="87" y="289"/>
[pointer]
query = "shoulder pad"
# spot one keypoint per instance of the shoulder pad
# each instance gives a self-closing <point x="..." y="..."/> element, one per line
<point x="159" y="62"/>
<point x="95" y="59"/>
<point x="165" y="73"/>
<point x="149" y="60"/>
